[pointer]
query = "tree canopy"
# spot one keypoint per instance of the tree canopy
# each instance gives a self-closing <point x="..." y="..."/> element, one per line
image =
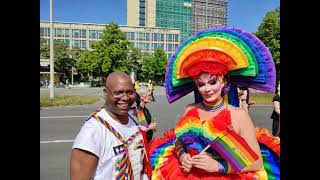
<point x="269" y="33"/>
<point x="108" y="55"/>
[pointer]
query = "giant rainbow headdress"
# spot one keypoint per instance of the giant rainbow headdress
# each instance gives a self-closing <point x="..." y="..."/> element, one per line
<point x="246" y="59"/>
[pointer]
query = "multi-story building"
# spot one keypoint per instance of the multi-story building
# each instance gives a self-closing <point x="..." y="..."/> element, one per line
<point x="208" y="13"/>
<point x="188" y="15"/>
<point x="81" y="35"/>
<point x="161" y="13"/>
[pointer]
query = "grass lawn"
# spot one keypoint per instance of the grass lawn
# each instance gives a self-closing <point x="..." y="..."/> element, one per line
<point x="262" y="98"/>
<point x="45" y="101"/>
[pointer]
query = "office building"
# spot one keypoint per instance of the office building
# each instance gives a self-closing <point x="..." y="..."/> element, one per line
<point x="81" y="35"/>
<point x="189" y="16"/>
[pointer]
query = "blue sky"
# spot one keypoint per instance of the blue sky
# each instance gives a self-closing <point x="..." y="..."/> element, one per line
<point x="244" y="14"/>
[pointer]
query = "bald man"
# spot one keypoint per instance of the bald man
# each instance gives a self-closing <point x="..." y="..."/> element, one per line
<point x="110" y="144"/>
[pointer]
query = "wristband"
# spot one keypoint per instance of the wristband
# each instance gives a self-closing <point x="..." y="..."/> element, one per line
<point x="221" y="168"/>
<point x="180" y="153"/>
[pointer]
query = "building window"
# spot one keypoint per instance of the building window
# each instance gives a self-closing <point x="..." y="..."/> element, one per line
<point x="141" y="36"/>
<point x="67" y="42"/>
<point x="176" y="38"/>
<point x="83" y="44"/>
<point x="169" y="37"/>
<point x="92" y="34"/>
<point x="170" y="47"/>
<point x="147" y="36"/>
<point x="142" y="22"/>
<point x="130" y="35"/>
<point x="142" y="10"/>
<point x="75" y="33"/>
<point x="175" y="47"/>
<point x="67" y="33"/>
<point x="154" y="36"/>
<point x="142" y="4"/>
<point x="41" y="31"/>
<point x="84" y="33"/>
<point x="155" y="46"/>
<point x="76" y="44"/>
<point x="100" y="33"/>
<point x="147" y="46"/>
<point x="58" y="32"/>
<point x="161" y="46"/>
<point x="161" y="37"/>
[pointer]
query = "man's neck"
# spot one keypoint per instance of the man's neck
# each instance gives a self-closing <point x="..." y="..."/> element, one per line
<point x="122" y="119"/>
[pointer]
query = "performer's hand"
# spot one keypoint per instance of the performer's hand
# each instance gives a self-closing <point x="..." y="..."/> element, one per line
<point x="153" y="126"/>
<point x="205" y="162"/>
<point x="186" y="163"/>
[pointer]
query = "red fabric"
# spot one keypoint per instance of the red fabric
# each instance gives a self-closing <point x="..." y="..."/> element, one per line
<point x="146" y="160"/>
<point x="196" y="68"/>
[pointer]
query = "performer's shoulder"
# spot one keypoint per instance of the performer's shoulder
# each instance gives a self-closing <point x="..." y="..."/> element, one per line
<point x="191" y="106"/>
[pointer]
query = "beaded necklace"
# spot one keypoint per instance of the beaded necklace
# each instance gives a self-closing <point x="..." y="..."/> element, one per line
<point x="212" y="108"/>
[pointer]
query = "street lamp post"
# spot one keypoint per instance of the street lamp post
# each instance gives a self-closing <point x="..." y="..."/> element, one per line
<point x="51" y="53"/>
<point x="72" y="75"/>
<point x="71" y="57"/>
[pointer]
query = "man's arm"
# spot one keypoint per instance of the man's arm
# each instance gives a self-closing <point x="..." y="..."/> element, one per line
<point x="82" y="164"/>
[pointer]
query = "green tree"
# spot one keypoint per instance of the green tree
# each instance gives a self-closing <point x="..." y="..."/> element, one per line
<point x="154" y="66"/>
<point x="269" y="33"/>
<point x="108" y="54"/>
<point x="44" y="49"/>
<point x="62" y="59"/>
<point x="135" y="58"/>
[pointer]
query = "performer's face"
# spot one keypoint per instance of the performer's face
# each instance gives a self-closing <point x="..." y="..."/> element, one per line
<point x="209" y="86"/>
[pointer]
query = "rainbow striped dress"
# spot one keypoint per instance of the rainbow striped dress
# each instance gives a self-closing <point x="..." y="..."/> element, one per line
<point x="195" y="135"/>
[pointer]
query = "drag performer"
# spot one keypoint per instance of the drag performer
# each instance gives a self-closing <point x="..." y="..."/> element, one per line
<point x="215" y="139"/>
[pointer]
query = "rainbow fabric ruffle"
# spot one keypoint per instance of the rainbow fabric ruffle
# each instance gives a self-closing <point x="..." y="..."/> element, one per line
<point x="247" y="59"/>
<point x="165" y="164"/>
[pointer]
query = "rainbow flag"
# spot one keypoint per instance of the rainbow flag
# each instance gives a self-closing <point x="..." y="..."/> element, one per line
<point x="219" y="135"/>
<point x="159" y="157"/>
<point x="234" y="149"/>
<point x="142" y="118"/>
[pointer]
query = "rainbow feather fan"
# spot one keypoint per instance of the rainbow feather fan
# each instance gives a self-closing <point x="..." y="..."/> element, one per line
<point x="219" y="134"/>
<point x="248" y="60"/>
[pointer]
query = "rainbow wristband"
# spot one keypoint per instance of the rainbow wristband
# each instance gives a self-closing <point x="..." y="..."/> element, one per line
<point x="180" y="153"/>
<point x="221" y="168"/>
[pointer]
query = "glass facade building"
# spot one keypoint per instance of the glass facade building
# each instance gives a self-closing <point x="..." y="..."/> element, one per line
<point x="175" y="14"/>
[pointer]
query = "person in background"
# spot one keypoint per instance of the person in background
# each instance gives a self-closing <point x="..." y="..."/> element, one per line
<point x="136" y="85"/>
<point x="276" y="114"/>
<point x="244" y="98"/>
<point x="151" y="88"/>
<point x="142" y="112"/>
